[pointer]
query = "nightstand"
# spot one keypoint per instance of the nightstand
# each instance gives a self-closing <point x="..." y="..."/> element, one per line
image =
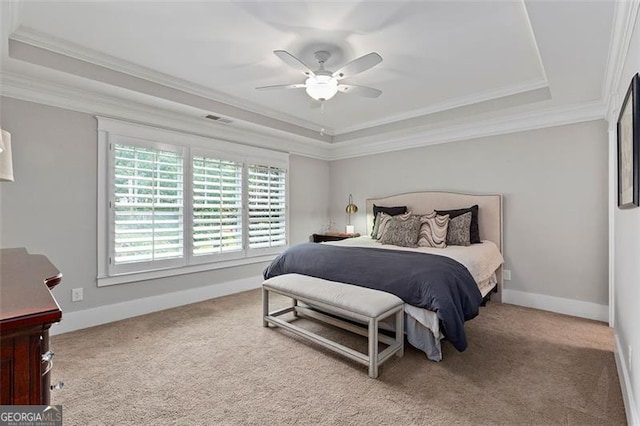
<point x="338" y="236"/>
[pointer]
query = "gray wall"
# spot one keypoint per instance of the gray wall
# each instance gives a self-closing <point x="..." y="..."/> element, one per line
<point x="51" y="207"/>
<point x="554" y="183"/>
<point x="627" y="253"/>
<point x="309" y="195"/>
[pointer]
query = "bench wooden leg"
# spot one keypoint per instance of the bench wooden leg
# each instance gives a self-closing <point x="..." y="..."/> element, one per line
<point x="265" y="306"/>
<point x="373" y="348"/>
<point x="400" y="332"/>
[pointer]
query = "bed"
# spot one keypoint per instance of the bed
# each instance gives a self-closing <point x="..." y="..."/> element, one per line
<point x="482" y="263"/>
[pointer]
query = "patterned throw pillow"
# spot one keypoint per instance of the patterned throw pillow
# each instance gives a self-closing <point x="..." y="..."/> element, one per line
<point x="385" y="219"/>
<point x="459" y="233"/>
<point x="391" y="211"/>
<point x="433" y="230"/>
<point x="475" y="227"/>
<point x="403" y="233"/>
<point x="376" y="226"/>
<point x="382" y="221"/>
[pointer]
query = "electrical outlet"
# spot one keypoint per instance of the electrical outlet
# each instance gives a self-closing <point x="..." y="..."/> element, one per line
<point x="506" y="274"/>
<point x="76" y="294"/>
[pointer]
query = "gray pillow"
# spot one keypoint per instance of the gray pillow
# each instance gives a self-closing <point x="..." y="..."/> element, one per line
<point x="403" y="233"/>
<point x="475" y="228"/>
<point x="459" y="232"/>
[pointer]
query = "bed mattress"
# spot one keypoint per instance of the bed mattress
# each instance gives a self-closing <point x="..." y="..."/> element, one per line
<point x="481" y="260"/>
<point x="422" y="325"/>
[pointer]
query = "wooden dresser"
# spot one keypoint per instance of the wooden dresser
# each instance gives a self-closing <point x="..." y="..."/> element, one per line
<point x="27" y="310"/>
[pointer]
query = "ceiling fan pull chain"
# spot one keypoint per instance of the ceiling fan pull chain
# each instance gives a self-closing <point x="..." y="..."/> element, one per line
<point x="322" y="113"/>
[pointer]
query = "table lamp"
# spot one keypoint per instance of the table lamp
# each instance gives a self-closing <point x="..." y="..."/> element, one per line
<point x="351" y="209"/>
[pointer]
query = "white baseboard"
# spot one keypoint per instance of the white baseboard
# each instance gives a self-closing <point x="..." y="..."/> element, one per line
<point x="625" y="385"/>
<point x="104" y="314"/>
<point x="576" y="308"/>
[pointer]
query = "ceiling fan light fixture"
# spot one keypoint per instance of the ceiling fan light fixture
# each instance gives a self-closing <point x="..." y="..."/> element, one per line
<point x="321" y="87"/>
<point x="323" y="84"/>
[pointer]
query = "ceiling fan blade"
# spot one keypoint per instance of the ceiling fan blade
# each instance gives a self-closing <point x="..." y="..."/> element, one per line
<point x="294" y="62"/>
<point x="367" y="92"/>
<point x="358" y="65"/>
<point x="282" y="86"/>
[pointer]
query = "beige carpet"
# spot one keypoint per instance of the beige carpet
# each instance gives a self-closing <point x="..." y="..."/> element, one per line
<point x="213" y="363"/>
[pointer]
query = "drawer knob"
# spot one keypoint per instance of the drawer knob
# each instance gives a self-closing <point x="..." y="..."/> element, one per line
<point x="57" y="386"/>
<point x="48" y="356"/>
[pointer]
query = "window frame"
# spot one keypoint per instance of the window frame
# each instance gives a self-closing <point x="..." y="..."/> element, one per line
<point x="112" y="131"/>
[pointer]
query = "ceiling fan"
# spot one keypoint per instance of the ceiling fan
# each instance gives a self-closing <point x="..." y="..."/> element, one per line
<point x="323" y="84"/>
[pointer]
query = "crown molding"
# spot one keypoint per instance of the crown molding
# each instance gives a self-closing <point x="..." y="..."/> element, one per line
<point x="549" y="117"/>
<point x="67" y="97"/>
<point x="72" y="98"/>
<point x="624" y="21"/>
<point x="460" y="102"/>
<point x="412" y="126"/>
<point x="53" y="61"/>
<point x="44" y="41"/>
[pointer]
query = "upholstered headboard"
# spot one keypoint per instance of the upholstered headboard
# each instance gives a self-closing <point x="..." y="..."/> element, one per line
<point x="489" y="211"/>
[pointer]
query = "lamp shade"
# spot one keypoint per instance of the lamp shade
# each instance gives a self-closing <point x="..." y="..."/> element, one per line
<point x="351" y="208"/>
<point x="321" y="87"/>
<point x="6" y="165"/>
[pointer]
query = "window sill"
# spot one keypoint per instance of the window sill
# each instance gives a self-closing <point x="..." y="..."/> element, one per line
<point x="190" y="269"/>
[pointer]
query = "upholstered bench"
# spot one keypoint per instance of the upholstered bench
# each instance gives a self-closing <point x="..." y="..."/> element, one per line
<point x="346" y="301"/>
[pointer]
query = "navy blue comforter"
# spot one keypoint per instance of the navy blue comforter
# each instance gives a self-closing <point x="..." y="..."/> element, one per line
<point x="433" y="282"/>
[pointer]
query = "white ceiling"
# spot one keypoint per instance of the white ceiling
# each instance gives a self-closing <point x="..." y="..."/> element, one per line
<point x="444" y="61"/>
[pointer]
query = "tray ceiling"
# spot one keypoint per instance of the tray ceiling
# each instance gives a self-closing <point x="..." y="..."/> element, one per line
<point x="444" y="62"/>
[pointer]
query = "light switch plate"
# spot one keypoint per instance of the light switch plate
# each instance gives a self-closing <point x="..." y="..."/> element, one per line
<point x="506" y="274"/>
<point x="76" y="294"/>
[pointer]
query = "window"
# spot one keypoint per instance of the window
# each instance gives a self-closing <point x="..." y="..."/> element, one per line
<point x="180" y="207"/>
<point x="217" y="206"/>
<point x="147" y="207"/>
<point x="267" y="206"/>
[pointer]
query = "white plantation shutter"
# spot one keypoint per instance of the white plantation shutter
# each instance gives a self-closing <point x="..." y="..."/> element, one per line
<point x="266" y="188"/>
<point x="171" y="203"/>
<point x="147" y="205"/>
<point x="217" y="206"/>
